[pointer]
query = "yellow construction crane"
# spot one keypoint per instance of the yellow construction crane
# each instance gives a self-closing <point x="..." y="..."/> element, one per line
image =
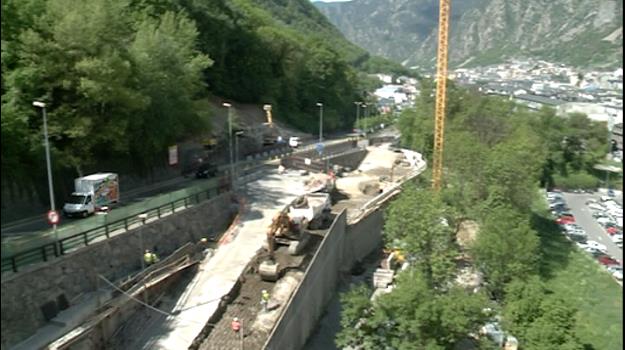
<point x="441" y="92"/>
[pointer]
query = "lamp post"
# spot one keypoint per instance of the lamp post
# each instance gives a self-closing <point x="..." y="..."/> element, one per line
<point x="42" y="105"/>
<point x="228" y="105"/>
<point x="320" y="105"/>
<point x="358" y="104"/>
<point x="236" y="150"/>
<point x="364" y="116"/>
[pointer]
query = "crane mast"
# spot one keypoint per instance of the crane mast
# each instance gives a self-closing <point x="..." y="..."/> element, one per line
<point x="441" y="92"/>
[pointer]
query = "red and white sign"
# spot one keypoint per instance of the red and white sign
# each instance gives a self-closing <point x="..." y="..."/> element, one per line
<point x="53" y="217"/>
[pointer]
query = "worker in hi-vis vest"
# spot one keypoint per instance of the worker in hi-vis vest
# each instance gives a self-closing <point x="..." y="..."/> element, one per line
<point x="149" y="257"/>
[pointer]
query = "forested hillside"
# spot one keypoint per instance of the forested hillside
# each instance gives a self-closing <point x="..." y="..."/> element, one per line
<point x="546" y="292"/>
<point x="124" y="79"/>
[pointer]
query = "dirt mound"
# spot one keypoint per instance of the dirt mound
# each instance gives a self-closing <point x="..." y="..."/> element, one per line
<point x="370" y="188"/>
<point x="467" y="232"/>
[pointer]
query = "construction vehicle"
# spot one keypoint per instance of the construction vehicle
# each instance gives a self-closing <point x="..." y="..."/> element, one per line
<point x="270" y="133"/>
<point x="289" y="227"/>
<point x="441" y="91"/>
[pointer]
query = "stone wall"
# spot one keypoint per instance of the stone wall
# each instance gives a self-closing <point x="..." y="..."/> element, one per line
<point x="350" y="159"/>
<point x="24" y="293"/>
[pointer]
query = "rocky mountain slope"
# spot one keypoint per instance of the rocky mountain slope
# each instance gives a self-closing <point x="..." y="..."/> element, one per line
<point x="579" y="32"/>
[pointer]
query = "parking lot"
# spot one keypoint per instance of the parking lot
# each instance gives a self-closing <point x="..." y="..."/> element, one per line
<point x="595" y="223"/>
<point x="583" y="217"/>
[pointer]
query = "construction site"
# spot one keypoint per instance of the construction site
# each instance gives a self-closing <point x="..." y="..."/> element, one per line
<point x="299" y="222"/>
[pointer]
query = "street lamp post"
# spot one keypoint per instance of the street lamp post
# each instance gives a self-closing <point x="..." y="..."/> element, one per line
<point x="358" y="104"/>
<point x="49" y="166"/>
<point x="236" y="150"/>
<point x="320" y="105"/>
<point x="364" y="116"/>
<point x="228" y="105"/>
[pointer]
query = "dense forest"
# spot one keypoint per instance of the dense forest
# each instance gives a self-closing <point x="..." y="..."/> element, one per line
<point x="124" y="79"/>
<point x="497" y="155"/>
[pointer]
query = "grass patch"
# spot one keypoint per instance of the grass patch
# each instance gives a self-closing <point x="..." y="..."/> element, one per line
<point x="575" y="277"/>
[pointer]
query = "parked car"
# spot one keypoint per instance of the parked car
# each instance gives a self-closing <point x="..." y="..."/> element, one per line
<point x="565" y="220"/>
<point x="616" y="271"/>
<point x="205" y="171"/>
<point x="612" y="230"/>
<point x="608" y="261"/>
<point x="294" y="141"/>
<point x="600" y="247"/>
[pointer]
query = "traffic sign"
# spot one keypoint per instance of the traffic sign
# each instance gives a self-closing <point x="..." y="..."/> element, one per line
<point x="319" y="148"/>
<point x="53" y="217"/>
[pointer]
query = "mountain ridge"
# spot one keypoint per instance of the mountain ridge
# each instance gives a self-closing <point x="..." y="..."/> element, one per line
<point x="577" y="32"/>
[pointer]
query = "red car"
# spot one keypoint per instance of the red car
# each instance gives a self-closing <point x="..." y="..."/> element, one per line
<point x="612" y="230"/>
<point x="565" y="220"/>
<point x="608" y="261"/>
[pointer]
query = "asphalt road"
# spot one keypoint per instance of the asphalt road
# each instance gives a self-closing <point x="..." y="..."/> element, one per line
<point x="583" y="217"/>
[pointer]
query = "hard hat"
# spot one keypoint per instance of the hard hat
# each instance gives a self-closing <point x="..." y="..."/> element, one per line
<point x="147" y="250"/>
<point x="264" y="291"/>
<point x="204" y="240"/>
<point x="236" y="319"/>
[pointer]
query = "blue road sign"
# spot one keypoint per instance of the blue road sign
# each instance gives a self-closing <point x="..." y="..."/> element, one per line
<point x="319" y="148"/>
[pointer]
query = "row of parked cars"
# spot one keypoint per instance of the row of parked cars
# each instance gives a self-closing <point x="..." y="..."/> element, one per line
<point x="608" y="214"/>
<point x="566" y="220"/>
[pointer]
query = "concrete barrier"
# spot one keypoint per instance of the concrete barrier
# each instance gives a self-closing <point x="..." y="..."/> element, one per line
<point x="341" y="248"/>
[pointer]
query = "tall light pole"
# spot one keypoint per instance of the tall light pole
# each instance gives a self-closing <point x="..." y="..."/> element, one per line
<point x="42" y="105"/>
<point x="236" y="149"/>
<point x="358" y="104"/>
<point x="364" y="116"/>
<point x="320" y="105"/>
<point x="227" y="105"/>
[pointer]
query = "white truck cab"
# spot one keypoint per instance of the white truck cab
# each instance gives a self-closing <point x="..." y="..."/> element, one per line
<point x="79" y="204"/>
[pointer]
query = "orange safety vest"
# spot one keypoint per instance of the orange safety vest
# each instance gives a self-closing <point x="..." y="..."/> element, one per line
<point x="236" y="326"/>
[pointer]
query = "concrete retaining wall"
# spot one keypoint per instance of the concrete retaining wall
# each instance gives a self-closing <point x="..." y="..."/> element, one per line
<point x="313" y="293"/>
<point x="24" y="293"/>
<point x="363" y="237"/>
<point x="342" y="246"/>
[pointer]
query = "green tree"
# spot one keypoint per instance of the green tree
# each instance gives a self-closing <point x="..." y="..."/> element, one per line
<point x="419" y="223"/>
<point x="412" y="316"/>
<point x="506" y="247"/>
<point x="554" y="329"/>
<point x="170" y="69"/>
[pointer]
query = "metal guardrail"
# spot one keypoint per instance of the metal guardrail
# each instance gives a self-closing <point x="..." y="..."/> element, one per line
<point x="66" y="245"/>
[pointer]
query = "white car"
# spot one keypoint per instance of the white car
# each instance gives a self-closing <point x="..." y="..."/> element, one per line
<point x="294" y="141"/>
<point x="616" y="271"/>
<point x="598" y="246"/>
<point x="617" y="238"/>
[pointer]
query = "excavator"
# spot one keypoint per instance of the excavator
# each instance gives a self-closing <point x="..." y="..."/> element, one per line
<point x="269" y="133"/>
<point x="288" y="227"/>
<point x="280" y="227"/>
